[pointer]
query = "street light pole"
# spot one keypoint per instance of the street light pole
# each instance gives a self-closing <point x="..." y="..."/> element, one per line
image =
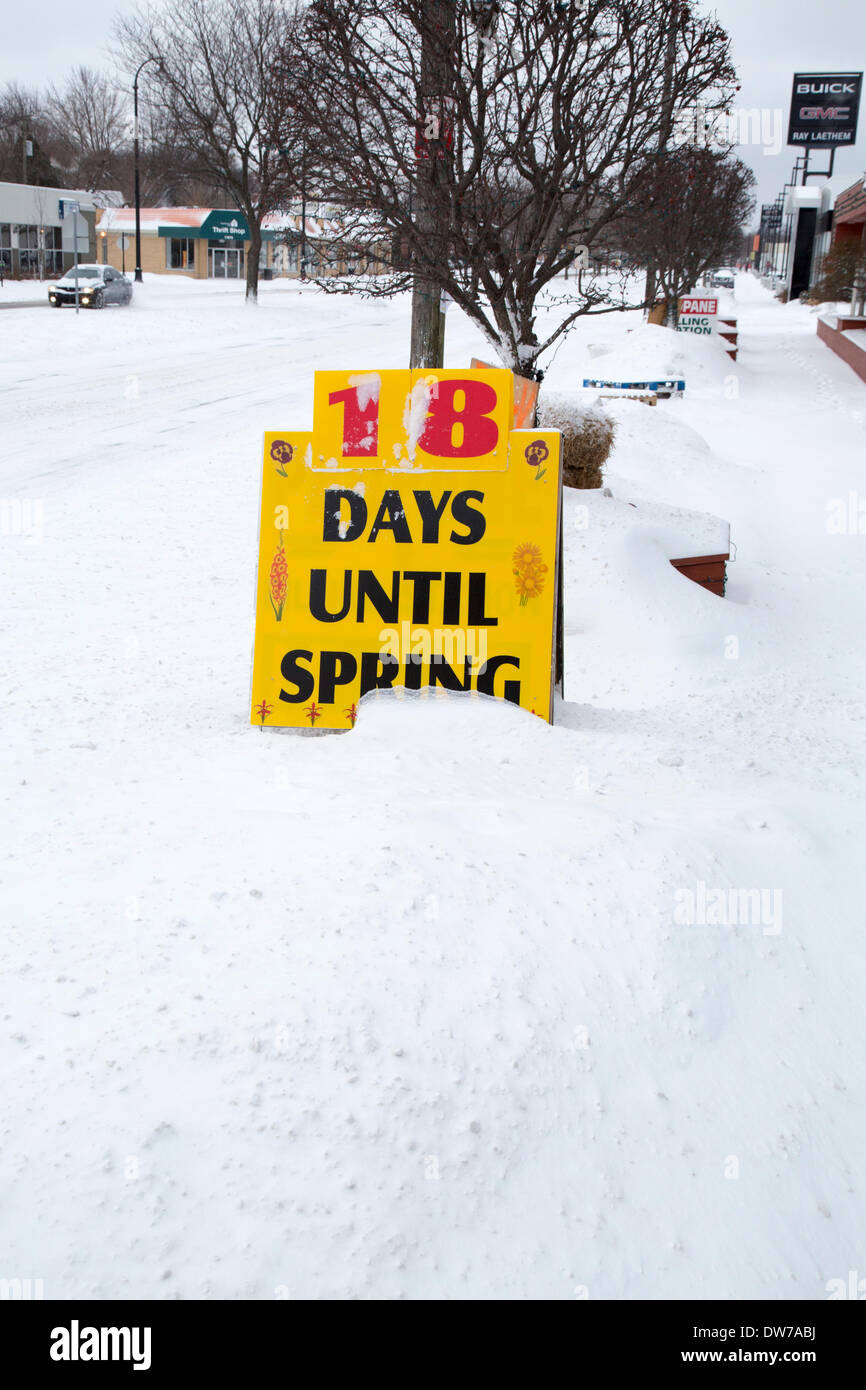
<point x="135" y="162"/>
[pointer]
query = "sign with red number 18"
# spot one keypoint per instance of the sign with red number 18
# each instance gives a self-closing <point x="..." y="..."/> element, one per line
<point x="411" y="539"/>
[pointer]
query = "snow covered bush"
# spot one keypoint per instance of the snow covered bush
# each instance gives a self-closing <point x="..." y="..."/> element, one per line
<point x="587" y="438"/>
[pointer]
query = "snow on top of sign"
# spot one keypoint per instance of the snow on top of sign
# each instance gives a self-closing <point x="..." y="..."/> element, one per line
<point x="367" y="387"/>
<point x="415" y="414"/>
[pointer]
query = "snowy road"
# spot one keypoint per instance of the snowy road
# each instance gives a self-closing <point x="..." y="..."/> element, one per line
<point x="416" y="1011"/>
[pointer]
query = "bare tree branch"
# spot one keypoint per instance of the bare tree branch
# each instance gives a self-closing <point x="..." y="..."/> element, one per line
<point x="487" y="142"/>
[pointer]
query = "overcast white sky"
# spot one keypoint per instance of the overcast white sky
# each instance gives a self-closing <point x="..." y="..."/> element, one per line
<point x="772" y="39"/>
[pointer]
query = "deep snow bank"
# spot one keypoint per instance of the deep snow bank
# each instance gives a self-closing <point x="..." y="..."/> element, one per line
<point x="435" y="1008"/>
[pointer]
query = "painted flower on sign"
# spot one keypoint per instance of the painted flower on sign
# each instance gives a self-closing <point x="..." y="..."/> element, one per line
<point x="263" y="710"/>
<point x="529" y="570"/>
<point x="282" y="453"/>
<point x="535" y="454"/>
<point x="279" y="581"/>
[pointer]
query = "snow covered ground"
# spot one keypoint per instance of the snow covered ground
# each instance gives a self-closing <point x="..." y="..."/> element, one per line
<point x="441" y="1007"/>
<point x="14" y="292"/>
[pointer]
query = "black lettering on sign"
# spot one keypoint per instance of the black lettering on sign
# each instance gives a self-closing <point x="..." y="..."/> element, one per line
<point x="414" y="667"/>
<point x="474" y="521"/>
<point x="298" y="676"/>
<point x="476" y="617"/>
<point x="510" y="689"/>
<point x="422" y="579"/>
<point x="357" y="514"/>
<point x="335" y="668"/>
<point x="391" y="516"/>
<point x="386" y="605"/>
<point x="431" y="515"/>
<point x="374" y="679"/>
<point x="318" y="596"/>
<point x="451" y="598"/>
<point x="443" y="674"/>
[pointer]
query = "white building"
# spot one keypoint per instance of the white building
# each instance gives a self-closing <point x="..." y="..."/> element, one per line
<point x="36" y="239"/>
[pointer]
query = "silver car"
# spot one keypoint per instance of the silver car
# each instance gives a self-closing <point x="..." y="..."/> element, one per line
<point x="98" y="285"/>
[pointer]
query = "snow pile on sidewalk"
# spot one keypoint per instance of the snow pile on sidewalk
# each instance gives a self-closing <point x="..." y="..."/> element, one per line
<point x="456" y="1004"/>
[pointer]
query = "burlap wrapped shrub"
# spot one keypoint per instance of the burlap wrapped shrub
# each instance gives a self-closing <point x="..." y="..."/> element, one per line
<point x="587" y="438"/>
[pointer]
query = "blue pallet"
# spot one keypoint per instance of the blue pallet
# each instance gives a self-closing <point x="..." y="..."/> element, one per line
<point x="678" y="386"/>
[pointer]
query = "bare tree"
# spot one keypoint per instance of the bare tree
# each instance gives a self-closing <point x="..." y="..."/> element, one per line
<point x="843" y="274"/>
<point x="89" y="118"/>
<point x="690" y="218"/>
<point x="25" y="137"/>
<point x="212" y="74"/>
<point x="170" y="170"/>
<point x="486" y="142"/>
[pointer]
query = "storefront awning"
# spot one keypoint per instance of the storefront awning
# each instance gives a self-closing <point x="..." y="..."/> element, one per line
<point x="219" y="225"/>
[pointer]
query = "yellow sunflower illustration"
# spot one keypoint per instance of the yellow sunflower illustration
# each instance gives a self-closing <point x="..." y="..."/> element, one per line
<point x="526" y="556"/>
<point x="529" y="572"/>
<point x="529" y="585"/>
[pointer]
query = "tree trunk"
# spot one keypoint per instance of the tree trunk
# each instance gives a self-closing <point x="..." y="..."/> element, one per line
<point x="253" y="254"/>
<point x="428" y="337"/>
<point x="667" y="121"/>
<point x="427" y="341"/>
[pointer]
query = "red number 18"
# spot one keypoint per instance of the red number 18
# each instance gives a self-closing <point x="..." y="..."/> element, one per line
<point x="360" y="426"/>
<point x="478" y="434"/>
<point x="454" y="428"/>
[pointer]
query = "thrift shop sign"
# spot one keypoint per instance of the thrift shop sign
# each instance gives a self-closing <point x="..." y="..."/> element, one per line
<point x="411" y="539"/>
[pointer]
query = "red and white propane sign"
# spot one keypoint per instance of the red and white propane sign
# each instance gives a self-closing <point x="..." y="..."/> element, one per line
<point x="697" y="314"/>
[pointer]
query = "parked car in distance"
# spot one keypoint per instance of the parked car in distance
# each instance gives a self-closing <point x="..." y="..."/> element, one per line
<point x="723" y="280"/>
<point x="98" y="285"/>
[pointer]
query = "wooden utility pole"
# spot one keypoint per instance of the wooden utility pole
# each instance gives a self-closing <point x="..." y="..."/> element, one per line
<point x="432" y="140"/>
<point x="667" y="121"/>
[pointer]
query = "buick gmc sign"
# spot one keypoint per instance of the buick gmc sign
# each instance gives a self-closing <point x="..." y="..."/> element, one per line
<point x="824" y="107"/>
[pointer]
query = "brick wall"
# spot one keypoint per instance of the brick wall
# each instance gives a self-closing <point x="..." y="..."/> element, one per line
<point x="153" y="254"/>
<point x="843" y="347"/>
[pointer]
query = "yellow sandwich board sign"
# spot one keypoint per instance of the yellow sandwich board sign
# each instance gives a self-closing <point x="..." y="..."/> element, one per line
<point x="411" y="539"/>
